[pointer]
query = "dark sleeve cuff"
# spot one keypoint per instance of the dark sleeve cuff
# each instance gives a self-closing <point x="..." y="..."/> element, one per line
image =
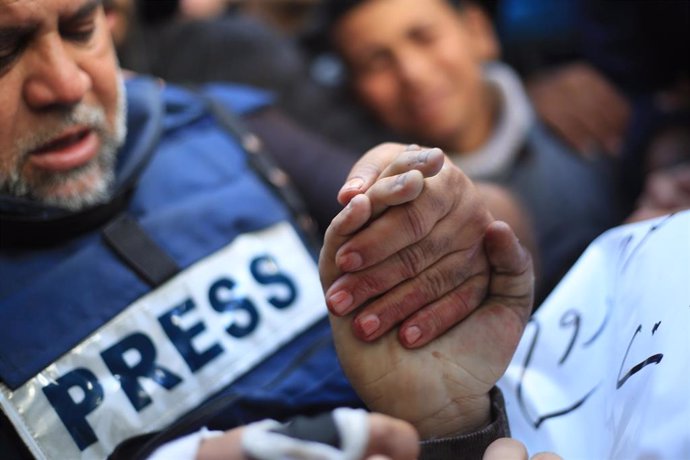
<point x="472" y="445"/>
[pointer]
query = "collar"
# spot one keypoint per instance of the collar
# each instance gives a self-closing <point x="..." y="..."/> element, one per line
<point x="496" y="157"/>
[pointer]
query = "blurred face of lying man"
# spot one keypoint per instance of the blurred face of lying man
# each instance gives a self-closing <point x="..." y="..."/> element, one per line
<point x="62" y="113"/>
<point x="417" y="66"/>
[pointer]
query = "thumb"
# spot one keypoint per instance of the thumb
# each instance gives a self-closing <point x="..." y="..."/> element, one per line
<point x="512" y="274"/>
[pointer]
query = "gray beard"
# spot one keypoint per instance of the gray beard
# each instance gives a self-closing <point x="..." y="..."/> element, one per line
<point x="103" y="166"/>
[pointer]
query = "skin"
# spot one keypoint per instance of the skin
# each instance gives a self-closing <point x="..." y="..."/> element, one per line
<point x="119" y="13"/>
<point x="417" y="66"/>
<point x="585" y="109"/>
<point x="57" y="59"/>
<point x="57" y="69"/>
<point x="470" y="357"/>
<point x="436" y="259"/>
<point x="456" y="371"/>
<point x="56" y="56"/>
<point x="388" y="438"/>
<point x="512" y="449"/>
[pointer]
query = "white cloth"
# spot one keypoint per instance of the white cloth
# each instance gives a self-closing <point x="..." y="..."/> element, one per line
<point x="184" y="448"/>
<point x="260" y="443"/>
<point x="603" y="369"/>
<point x="352" y="425"/>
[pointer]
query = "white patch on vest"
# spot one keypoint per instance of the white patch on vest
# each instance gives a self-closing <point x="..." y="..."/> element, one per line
<point x="116" y="419"/>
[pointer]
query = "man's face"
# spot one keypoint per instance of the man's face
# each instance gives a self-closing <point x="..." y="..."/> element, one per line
<point x="61" y="118"/>
<point x="417" y="65"/>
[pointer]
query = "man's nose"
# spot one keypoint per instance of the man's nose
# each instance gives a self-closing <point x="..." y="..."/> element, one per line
<point x="55" y="77"/>
<point x="414" y="67"/>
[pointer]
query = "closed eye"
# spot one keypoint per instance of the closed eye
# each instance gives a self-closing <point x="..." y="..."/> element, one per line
<point x="80" y="26"/>
<point x="13" y="41"/>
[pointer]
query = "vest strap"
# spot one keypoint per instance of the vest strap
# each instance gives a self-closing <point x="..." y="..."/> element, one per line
<point x="133" y="245"/>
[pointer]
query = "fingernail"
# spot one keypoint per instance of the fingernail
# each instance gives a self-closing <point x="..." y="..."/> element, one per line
<point x="349" y="262"/>
<point x="411" y="147"/>
<point x="369" y="324"/>
<point x="412" y="334"/>
<point x="353" y="184"/>
<point x="340" y="302"/>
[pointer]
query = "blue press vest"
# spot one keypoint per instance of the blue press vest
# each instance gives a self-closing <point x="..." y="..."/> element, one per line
<point x="196" y="197"/>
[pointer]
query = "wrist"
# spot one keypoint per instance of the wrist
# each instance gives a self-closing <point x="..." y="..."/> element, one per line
<point x="459" y="417"/>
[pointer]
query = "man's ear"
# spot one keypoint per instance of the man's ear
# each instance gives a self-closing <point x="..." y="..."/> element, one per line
<point x="480" y="28"/>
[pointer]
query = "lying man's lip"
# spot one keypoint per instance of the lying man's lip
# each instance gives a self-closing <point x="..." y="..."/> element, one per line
<point x="73" y="148"/>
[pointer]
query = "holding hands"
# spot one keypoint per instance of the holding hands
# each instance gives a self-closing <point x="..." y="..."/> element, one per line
<point x="415" y="246"/>
<point x="486" y="287"/>
<point x="419" y="241"/>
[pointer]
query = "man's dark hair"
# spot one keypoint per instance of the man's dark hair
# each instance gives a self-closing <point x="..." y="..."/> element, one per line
<point x="333" y="10"/>
<point x="157" y="12"/>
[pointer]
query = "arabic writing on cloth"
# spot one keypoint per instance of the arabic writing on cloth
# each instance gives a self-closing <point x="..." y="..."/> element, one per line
<point x="603" y="369"/>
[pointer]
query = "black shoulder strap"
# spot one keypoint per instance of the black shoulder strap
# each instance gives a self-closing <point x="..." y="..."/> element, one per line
<point x="135" y="247"/>
<point x="264" y="165"/>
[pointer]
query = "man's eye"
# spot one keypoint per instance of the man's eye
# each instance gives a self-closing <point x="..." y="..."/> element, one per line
<point x="81" y="33"/>
<point x="376" y="63"/>
<point x="425" y="36"/>
<point x="8" y="54"/>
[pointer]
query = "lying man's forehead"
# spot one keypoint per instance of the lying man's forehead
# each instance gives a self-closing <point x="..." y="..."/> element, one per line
<point x="27" y="9"/>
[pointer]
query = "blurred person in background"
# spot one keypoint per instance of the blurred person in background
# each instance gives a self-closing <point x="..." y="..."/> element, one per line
<point x="153" y="258"/>
<point x="611" y="79"/>
<point x="429" y="71"/>
<point x="192" y="45"/>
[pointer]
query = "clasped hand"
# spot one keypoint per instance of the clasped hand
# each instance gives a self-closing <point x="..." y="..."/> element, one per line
<point x="431" y="260"/>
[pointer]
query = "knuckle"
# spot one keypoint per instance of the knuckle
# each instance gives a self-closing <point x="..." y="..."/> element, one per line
<point x="432" y="321"/>
<point x="412" y="261"/>
<point x="463" y="301"/>
<point x="437" y="282"/>
<point x="392" y="311"/>
<point x="366" y="168"/>
<point x="415" y="222"/>
<point x="413" y="300"/>
<point x="368" y="284"/>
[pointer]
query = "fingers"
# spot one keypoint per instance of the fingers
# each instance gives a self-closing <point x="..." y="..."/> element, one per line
<point x="505" y="449"/>
<point x="386" y="192"/>
<point x="429" y="303"/>
<point x="391" y="175"/>
<point x="430" y="265"/>
<point x="610" y="106"/>
<point x="391" y="438"/>
<point x="428" y="161"/>
<point x="225" y="447"/>
<point x="388" y="160"/>
<point x="352" y="217"/>
<point x="546" y="456"/>
<point x="512" y="449"/>
<point x="583" y="107"/>
<point x="394" y="190"/>
<point x="408" y="224"/>
<point x="442" y="315"/>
